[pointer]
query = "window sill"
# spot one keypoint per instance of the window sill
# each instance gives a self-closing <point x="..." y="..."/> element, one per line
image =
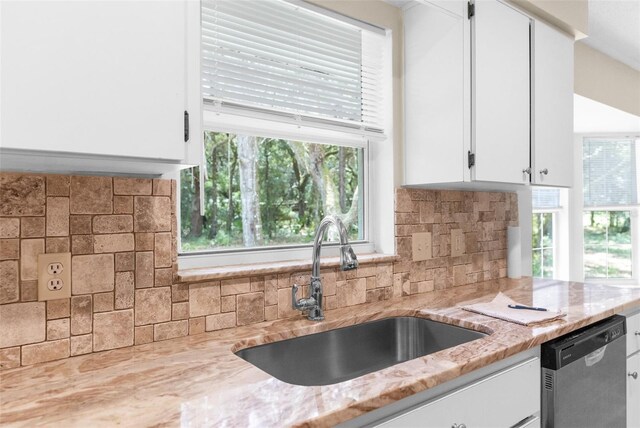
<point x="236" y="271"/>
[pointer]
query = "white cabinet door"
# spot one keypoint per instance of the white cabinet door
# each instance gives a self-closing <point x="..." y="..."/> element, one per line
<point x="633" y="391"/>
<point x="552" y="83"/>
<point x="94" y="77"/>
<point x="500" y="400"/>
<point x="435" y="91"/>
<point x="500" y="88"/>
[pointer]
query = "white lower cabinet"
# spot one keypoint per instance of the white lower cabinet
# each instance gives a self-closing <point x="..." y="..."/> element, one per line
<point x="507" y="398"/>
<point x="633" y="391"/>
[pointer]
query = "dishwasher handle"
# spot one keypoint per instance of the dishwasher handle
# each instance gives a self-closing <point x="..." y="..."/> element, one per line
<point x="595" y="357"/>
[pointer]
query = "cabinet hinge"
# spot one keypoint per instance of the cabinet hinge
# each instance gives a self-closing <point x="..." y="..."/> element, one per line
<point x="471" y="159"/>
<point x="186" y="126"/>
<point x="471" y="10"/>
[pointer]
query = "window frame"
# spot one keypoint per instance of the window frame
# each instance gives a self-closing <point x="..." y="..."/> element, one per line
<point x="554" y="228"/>
<point x="578" y="208"/>
<point x="378" y="152"/>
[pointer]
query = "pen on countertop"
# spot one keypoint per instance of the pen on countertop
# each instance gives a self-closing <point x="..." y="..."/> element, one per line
<point x="532" y="308"/>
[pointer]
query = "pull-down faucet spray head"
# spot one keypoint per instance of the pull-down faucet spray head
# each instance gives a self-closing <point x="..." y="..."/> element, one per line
<point x="348" y="259"/>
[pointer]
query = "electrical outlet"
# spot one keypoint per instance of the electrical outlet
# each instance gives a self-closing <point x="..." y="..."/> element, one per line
<point x="421" y="246"/>
<point x="54" y="276"/>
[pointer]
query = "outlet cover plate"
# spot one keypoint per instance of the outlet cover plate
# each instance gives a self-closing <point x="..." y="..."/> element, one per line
<point x="421" y="246"/>
<point x="44" y="276"/>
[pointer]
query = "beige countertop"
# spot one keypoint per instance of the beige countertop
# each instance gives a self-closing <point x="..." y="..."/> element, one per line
<point x="198" y="381"/>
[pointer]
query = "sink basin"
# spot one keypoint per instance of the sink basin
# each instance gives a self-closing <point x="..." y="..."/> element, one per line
<point x="337" y="355"/>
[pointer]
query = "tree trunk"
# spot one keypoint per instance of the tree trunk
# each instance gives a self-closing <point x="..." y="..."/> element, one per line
<point x="232" y="170"/>
<point x="342" y="164"/>
<point x="196" y="218"/>
<point x="213" y="229"/>
<point x="248" y="159"/>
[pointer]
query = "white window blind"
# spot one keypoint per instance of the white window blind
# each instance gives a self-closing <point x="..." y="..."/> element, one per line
<point x="610" y="172"/>
<point x="545" y="198"/>
<point x="280" y="58"/>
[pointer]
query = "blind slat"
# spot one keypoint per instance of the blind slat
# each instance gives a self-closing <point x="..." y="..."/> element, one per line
<point x="272" y="55"/>
<point x="610" y="172"/>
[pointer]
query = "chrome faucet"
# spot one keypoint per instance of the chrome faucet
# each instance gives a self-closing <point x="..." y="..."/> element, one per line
<point x="348" y="261"/>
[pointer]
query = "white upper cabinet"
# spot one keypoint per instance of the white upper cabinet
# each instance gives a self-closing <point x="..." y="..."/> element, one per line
<point x="435" y="76"/>
<point x="500" y="93"/>
<point x="488" y="96"/>
<point x="95" y="79"/>
<point x="552" y="81"/>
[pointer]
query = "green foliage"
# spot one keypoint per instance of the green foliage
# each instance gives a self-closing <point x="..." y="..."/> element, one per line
<point x="291" y="204"/>
<point x="607" y="244"/>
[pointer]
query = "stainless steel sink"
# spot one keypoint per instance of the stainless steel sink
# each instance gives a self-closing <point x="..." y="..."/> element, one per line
<point x="337" y="355"/>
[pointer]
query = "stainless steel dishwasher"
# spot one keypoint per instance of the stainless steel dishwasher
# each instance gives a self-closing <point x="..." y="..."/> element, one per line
<point x="584" y="377"/>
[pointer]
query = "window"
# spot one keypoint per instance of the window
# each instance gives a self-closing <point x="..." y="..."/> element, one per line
<point x="610" y="207"/>
<point x="294" y="107"/>
<point x="546" y="205"/>
<point x="262" y="191"/>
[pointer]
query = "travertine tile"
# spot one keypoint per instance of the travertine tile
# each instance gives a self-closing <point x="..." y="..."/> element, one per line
<point x="143" y="334"/>
<point x="91" y="195"/>
<point x="115" y="243"/>
<point x="112" y="224"/>
<point x="204" y="299"/>
<point x="80" y="224"/>
<point x="9" y="227"/>
<point x="112" y="330"/>
<point x="60" y="308"/>
<point x="125" y="261"/>
<point x="284" y="303"/>
<point x="92" y="273"/>
<point x="57" y="216"/>
<point x="28" y="291"/>
<point x="180" y="292"/>
<point x="58" y="185"/>
<point x="152" y="214"/>
<point x="162" y="254"/>
<point x="81" y="311"/>
<point x="152" y="305"/>
<point x="32" y="227"/>
<point x="458" y="242"/>
<point x="170" y="330"/>
<point x="161" y="187"/>
<point x="384" y="275"/>
<point x="123" y="204"/>
<point x="354" y="292"/>
<point x="164" y="277"/>
<point x="271" y="313"/>
<point x="180" y="311"/>
<point x="236" y="286"/>
<point x="22" y="323"/>
<point x="228" y="304"/>
<point x="46" y="351"/>
<point x="58" y="329"/>
<point x="131" y="186"/>
<point x="81" y="345"/>
<point x="250" y="308"/>
<point x="29" y="250"/>
<point x="125" y="288"/>
<point x="271" y="290"/>
<point x="9" y="286"/>
<point x="145" y="241"/>
<point x="257" y="283"/>
<point x="102" y="302"/>
<point x="57" y="245"/>
<point x="81" y="244"/>
<point x="220" y="321"/>
<point x="196" y="325"/>
<point x="21" y="195"/>
<point x="144" y="269"/>
<point x="9" y="358"/>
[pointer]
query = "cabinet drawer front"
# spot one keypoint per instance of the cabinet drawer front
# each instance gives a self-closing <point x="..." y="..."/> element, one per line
<point x="633" y="391"/>
<point x="633" y="334"/>
<point x="501" y="399"/>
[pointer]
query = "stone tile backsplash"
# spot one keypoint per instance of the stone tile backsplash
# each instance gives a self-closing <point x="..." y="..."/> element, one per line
<point x="122" y="236"/>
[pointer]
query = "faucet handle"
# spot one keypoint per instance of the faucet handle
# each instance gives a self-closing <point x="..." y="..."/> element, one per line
<point x="294" y="293"/>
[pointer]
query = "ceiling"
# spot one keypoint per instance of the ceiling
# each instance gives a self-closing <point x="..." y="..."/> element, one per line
<point x="614" y="29"/>
<point x="591" y="116"/>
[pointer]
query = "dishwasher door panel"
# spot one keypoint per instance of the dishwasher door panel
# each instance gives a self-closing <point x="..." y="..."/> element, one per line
<point x="589" y="392"/>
